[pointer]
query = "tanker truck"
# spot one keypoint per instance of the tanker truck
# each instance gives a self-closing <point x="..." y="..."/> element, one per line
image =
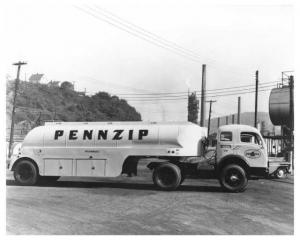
<point x="108" y="149"/>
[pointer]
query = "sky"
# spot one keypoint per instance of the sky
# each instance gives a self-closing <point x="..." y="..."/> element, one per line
<point x="73" y="41"/>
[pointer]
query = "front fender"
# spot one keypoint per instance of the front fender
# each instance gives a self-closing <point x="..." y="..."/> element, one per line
<point x="232" y="158"/>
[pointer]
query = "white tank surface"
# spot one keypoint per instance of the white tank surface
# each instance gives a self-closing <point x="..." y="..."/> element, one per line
<point x="71" y="148"/>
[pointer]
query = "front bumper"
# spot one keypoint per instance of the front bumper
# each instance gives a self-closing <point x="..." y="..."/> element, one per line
<point x="259" y="172"/>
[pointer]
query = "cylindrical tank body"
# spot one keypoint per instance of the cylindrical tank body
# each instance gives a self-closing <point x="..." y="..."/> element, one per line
<point x="279" y="106"/>
<point x="133" y="135"/>
<point x="71" y="148"/>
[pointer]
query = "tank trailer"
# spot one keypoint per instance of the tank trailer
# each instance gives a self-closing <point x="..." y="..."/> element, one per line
<point x="108" y="149"/>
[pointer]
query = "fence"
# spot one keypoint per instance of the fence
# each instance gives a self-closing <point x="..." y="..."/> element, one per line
<point x="276" y="145"/>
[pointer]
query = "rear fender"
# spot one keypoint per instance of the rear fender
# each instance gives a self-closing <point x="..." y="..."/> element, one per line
<point x="154" y="165"/>
<point x="13" y="165"/>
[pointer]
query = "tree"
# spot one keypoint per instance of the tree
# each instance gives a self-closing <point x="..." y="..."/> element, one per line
<point x="39" y="103"/>
<point x="193" y="108"/>
<point x="263" y="129"/>
<point x="67" y="86"/>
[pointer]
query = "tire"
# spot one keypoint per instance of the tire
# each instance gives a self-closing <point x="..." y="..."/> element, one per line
<point x="233" y="178"/>
<point x="280" y="173"/>
<point x="167" y="176"/>
<point x="26" y="173"/>
<point x="182" y="179"/>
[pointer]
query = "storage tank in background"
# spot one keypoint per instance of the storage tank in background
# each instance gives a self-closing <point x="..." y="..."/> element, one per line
<point x="279" y="106"/>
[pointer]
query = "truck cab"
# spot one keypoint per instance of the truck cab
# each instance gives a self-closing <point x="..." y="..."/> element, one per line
<point x="241" y="154"/>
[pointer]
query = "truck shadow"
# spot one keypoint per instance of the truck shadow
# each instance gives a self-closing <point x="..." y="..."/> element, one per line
<point x="281" y="180"/>
<point x="122" y="185"/>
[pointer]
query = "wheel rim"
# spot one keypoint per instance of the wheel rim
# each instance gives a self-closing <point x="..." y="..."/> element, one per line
<point x="25" y="172"/>
<point x="166" y="176"/>
<point x="233" y="178"/>
<point x="280" y="173"/>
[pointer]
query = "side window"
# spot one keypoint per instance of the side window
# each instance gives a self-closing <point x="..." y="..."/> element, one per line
<point x="250" y="137"/>
<point x="226" y="136"/>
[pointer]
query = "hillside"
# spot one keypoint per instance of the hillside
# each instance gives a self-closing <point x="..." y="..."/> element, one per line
<point x="39" y="102"/>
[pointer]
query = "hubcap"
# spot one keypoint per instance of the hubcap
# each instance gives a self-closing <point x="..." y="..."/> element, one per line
<point x="233" y="178"/>
<point x="25" y="172"/>
<point x="166" y="176"/>
<point x="280" y="173"/>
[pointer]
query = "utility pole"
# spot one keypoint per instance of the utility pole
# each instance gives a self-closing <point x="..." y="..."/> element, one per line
<point x="188" y="95"/>
<point x="218" y="122"/>
<point x="256" y="96"/>
<point x="232" y="119"/>
<point x="209" y="116"/>
<point x="291" y="152"/>
<point x="239" y="111"/>
<point x="54" y="117"/>
<point x="291" y="83"/>
<point x="12" y="126"/>
<point x="203" y="92"/>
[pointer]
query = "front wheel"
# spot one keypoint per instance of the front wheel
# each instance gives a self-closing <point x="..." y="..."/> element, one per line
<point x="280" y="173"/>
<point x="167" y="176"/>
<point x="233" y="178"/>
<point x="26" y="173"/>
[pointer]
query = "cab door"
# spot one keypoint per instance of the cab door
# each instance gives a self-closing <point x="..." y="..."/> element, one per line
<point x="253" y="149"/>
<point x="224" y="144"/>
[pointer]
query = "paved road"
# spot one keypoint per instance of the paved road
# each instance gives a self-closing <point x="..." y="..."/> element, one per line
<point x="133" y="206"/>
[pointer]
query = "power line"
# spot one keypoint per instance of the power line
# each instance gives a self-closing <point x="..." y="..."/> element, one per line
<point x="140" y="32"/>
<point x="161" y="45"/>
<point x="265" y="84"/>
<point x="184" y="94"/>
<point x="143" y="31"/>
<point x="251" y="85"/>
<point x="185" y="98"/>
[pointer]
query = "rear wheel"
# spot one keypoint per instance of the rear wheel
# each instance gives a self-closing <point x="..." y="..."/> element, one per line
<point x="233" y="178"/>
<point x="26" y="173"/>
<point x="167" y="176"/>
<point x="182" y="179"/>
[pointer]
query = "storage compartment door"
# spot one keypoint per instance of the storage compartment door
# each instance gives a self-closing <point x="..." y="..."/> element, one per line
<point x="90" y="168"/>
<point x="58" y="167"/>
<point x="98" y="168"/>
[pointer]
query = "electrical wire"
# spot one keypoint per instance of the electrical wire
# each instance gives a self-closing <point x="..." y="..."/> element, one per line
<point x="198" y="95"/>
<point x="143" y="31"/>
<point x="210" y="91"/>
<point x="185" y="98"/>
<point x="161" y="45"/>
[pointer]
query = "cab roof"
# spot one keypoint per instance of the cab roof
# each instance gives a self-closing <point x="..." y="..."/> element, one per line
<point x="238" y="127"/>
